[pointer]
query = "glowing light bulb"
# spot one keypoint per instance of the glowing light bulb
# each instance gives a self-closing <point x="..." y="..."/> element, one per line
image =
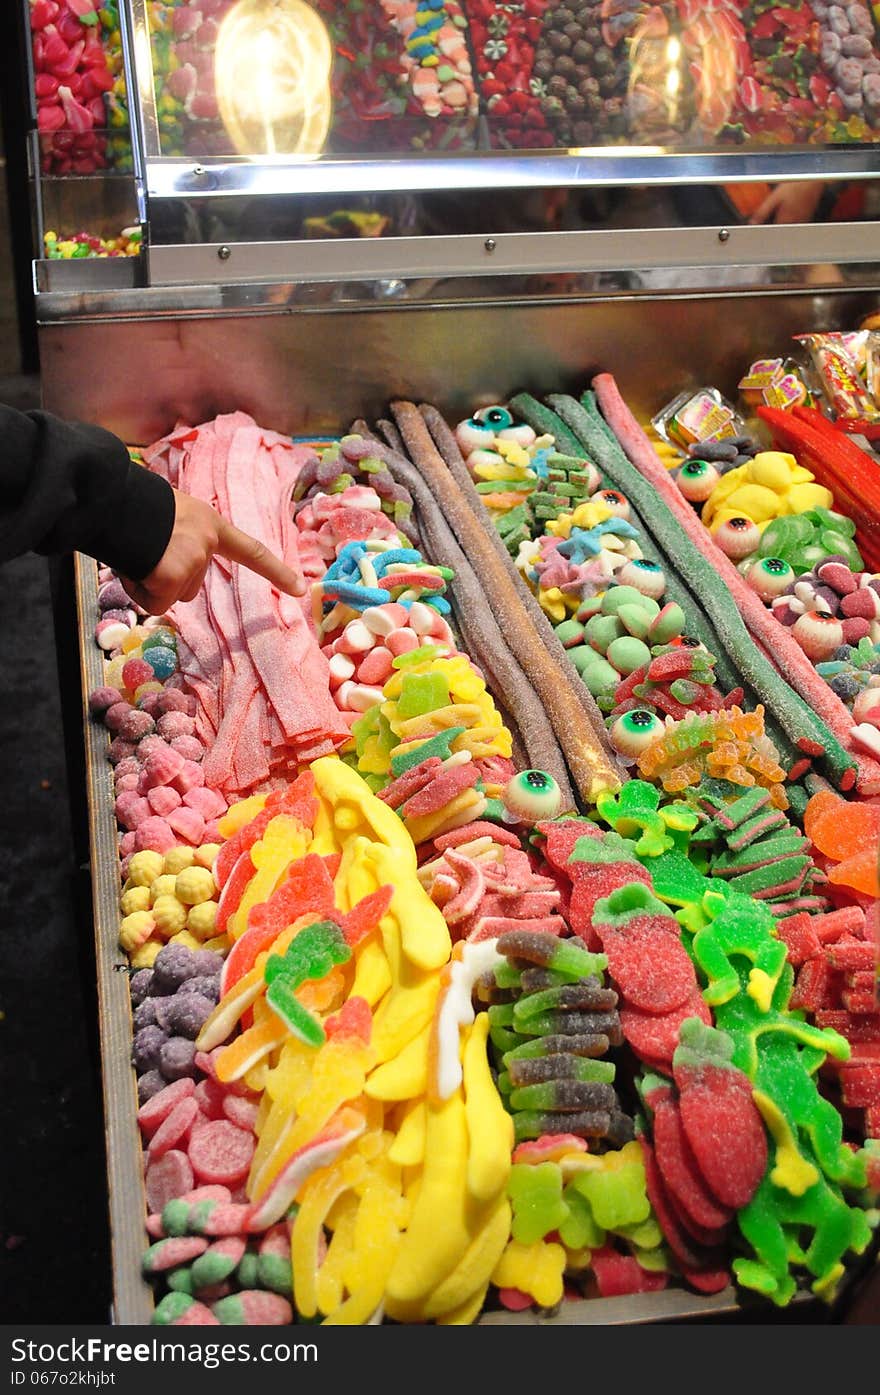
<point x="272" y="66"/>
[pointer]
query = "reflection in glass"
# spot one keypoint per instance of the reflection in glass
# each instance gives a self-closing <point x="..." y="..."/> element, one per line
<point x="272" y="77"/>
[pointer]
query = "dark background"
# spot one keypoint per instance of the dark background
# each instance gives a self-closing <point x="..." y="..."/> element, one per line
<point x="54" y="1240"/>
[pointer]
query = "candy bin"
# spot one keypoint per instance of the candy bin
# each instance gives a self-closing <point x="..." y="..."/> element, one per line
<point x="524" y="872"/>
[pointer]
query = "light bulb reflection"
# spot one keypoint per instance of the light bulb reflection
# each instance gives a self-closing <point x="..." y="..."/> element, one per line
<point x="272" y="75"/>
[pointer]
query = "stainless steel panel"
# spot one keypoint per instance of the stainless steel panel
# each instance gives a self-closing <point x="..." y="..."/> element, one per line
<point x="314" y="372"/>
<point x="544" y="253"/>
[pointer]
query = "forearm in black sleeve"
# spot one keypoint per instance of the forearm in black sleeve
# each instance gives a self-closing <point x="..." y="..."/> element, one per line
<point x="68" y="487"/>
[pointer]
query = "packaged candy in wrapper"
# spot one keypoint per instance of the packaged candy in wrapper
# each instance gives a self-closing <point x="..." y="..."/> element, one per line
<point x="704" y="415"/>
<point x="853" y="407"/>
<point x="775" y="382"/>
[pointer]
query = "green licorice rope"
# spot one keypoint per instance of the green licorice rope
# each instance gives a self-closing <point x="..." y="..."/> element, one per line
<point x="545" y="422"/>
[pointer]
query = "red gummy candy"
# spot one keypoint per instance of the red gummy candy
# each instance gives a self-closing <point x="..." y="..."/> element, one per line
<point x="167" y="1178"/>
<point x="233" y="888"/>
<point x="443" y="788"/>
<point x="681" y="1172"/>
<point x="618" y="1274"/>
<point x="480" y="829"/>
<point x="648" y="963"/>
<point x="724" y="1129"/>
<point x="654" y="1036"/>
<point x="157" y="1109"/>
<point x="676" y="1237"/>
<point x="560" y="838"/>
<point x="221" y="1152"/>
<point x="354" y="1019"/>
<point x="175" y="1128"/>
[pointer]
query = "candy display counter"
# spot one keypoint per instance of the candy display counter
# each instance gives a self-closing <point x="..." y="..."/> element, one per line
<point x="505" y="876"/>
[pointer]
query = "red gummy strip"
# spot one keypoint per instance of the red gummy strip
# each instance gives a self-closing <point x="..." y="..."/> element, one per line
<point x="812" y="989"/>
<point x="649" y="965"/>
<point x="676" y="1238"/>
<point x="233" y="889"/>
<point x="220" y="1152"/>
<point x="364" y="917"/>
<point x="656" y="1036"/>
<point x="617" y="1274"/>
<point x="409" y="783"/>
<point x="681" y="1173"/>
<point x="481" y="828"/>
<point x="442" y="789"/>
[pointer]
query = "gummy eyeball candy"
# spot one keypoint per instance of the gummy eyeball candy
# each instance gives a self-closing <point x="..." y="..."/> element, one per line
<point x="532" y="795"/>
<point x="696" y="479"/>
<point x="474" y="435"/>
<point x="737" y="537"/>
<point x="613" y="500"/>
<point x="646" y="576"/>
<point x="818" y="635"/>
<point x="770" y="577"/>
<point x="634" y="731"/>
<point x="499" y="418"/>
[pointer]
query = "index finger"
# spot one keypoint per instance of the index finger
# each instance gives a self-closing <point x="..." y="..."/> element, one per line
<point x="240" y="547"/>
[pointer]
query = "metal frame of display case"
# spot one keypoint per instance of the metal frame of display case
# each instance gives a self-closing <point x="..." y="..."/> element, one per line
<point x="195" y="328"/>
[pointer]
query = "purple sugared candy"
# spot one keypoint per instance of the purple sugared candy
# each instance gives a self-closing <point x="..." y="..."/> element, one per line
<point x="135" y="725"/>
<point x="115" y="715"/>
<point x="176" y="963"/>
<point x="139" y="986"/>
<point x="102" y="699"/>
<point x="146" y="1047"/>
<point x="177" y="1058"/>
<point x="113" y="596"/>
<point x="149" y="1084"/>
<point x="187" y="1013"/>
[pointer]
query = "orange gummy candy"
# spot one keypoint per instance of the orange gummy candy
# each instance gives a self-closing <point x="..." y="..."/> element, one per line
<point x="858" y="872"/>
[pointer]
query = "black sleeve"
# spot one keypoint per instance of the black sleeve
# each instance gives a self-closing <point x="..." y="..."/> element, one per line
<point x="68" y="487"/>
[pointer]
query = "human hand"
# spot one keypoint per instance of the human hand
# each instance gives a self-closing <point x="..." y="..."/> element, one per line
<point x="200" y="532"/>
<point x="795" y="202"/>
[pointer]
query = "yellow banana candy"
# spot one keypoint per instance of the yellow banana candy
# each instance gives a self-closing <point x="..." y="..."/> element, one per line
<point x="405" y="1077"/>
<point x="438" y="1234"/>
<point x="471" y="1275"/>
<point x="490" y="1127"/>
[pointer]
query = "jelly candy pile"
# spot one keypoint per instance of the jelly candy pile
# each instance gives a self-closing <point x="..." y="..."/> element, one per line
<point x="617" y="1043"/>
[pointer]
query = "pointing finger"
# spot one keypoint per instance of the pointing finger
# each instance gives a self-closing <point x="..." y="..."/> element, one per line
<point x="251" y="553"/>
